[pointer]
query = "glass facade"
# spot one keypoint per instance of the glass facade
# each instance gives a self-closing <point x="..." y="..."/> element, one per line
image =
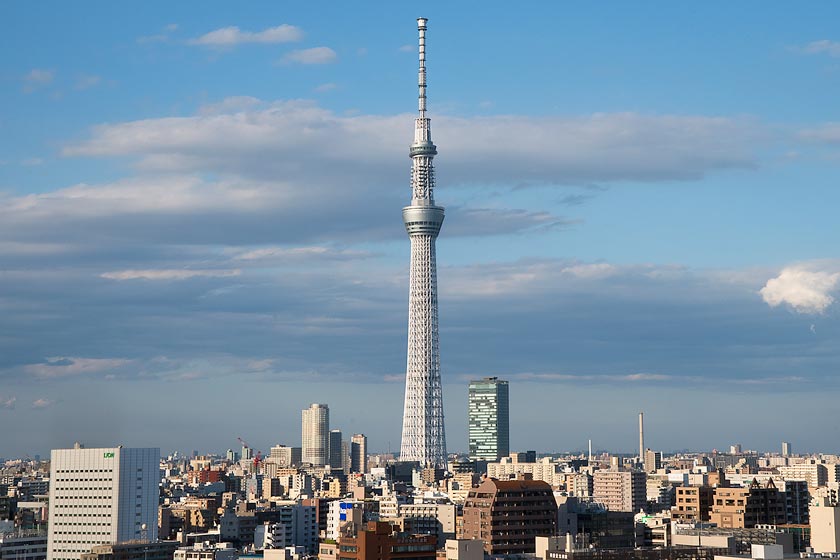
<point x="489" y="419"/>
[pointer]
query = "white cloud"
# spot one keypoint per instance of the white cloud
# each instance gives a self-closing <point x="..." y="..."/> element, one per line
<point x="60" y="366"/>
<point x="232" y="36"/>
<point x="297" y="253"/>
<point x="87" y="81"/>
<point x="802" y="289"/>
<point x="828" y="133"/>
<point x="171" y="274"/>
<point x="315" y="55"/>
<point x="37" y="77"/>
<point x="325" y="87"/>
<point x="295" y="137"/>
<point x="408" y="48"/>
<point x="831" y="48"/>
<point x="32" y="162"/>
<point x="7" y="402"/>
<point x="42" y="403"/>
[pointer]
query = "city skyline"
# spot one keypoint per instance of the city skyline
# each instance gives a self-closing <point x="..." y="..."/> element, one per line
<point x="197" y="209"/>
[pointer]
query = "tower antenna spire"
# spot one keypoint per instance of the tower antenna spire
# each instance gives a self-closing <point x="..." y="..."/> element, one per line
<point x="421" y="73"/>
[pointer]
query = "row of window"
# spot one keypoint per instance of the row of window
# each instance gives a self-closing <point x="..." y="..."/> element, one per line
<point x="64" y="471"/>
<point x="81" y="506"/>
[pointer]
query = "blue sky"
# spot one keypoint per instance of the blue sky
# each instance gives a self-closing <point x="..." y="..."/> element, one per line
<point x="200" y="219"/>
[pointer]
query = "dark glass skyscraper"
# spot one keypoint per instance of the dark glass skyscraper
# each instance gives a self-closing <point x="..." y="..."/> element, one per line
<point x="489" y="419"/>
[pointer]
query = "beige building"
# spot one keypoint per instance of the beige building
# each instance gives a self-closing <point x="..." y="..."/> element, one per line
<point x="620" y="490"/>
<point x="814" y="472"/>
<point x="692" y="504"/>
<point x="825" y="528"/>
<point x="744" y="508"/>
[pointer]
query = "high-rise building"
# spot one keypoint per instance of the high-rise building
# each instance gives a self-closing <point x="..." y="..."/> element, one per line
<point x="358" y="454"/>
<point x="335" y="455"/>
<point x="423" y="437"/>
<point x="785" y="449"/>
<point x="489" y="419"/>
<point x="101" y="496"/>
<point x="315" y="434"/>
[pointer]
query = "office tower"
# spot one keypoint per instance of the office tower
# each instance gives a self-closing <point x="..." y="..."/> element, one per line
<point x="358" y="453"/>
<point x="735" y="449"/>
<point x="489" y="419"/>
<point x="335" y="460"/>
<point x="315" y="434"/>
<point x="785" y="449"/>
<point x="101" y="496"/>
<point x="423" y="437"/>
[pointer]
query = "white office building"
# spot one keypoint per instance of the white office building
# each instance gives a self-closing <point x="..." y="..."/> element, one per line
<point x="101" y="496"/>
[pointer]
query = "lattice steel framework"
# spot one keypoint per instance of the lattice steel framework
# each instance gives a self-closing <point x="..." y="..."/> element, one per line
<point x="423" y="437"/>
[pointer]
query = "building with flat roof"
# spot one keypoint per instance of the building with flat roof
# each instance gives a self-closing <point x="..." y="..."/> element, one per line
<point x="101" y="496"/>
<point x="377" y="540"/>
<point x="315" y="434"/>
<point x="489" y="419"/>
<point x="620" y="490"/>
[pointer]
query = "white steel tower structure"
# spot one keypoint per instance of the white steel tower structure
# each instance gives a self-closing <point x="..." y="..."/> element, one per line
<point x="423" y="437"/>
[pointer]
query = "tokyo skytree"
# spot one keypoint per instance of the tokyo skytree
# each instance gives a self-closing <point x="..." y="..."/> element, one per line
<point x="423" y="437"/>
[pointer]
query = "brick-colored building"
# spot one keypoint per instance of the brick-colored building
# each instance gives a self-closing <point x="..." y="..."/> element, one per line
<point x="509" y="514"/>
<point x="379" y="541"/>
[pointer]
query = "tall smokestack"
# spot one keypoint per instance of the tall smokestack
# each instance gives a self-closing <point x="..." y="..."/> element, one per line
<point x="590" y="452"/>
<point x="641" y="437"/>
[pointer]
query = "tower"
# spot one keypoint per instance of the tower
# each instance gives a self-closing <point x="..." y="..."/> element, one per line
<point x="489" y="419"/>
<point x="315" y="434"/>
<point x="423" y="437"/>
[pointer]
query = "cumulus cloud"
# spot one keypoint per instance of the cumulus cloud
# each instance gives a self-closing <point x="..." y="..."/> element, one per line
<point x="824" y="46"/>
<point x="171" y="274"/>
<point x="56" y="367"/>
<point x="315" y="55"/>
<point x="232" y="36"/>
<point x="802" y="289"/>
<point x="7" y="402"/>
